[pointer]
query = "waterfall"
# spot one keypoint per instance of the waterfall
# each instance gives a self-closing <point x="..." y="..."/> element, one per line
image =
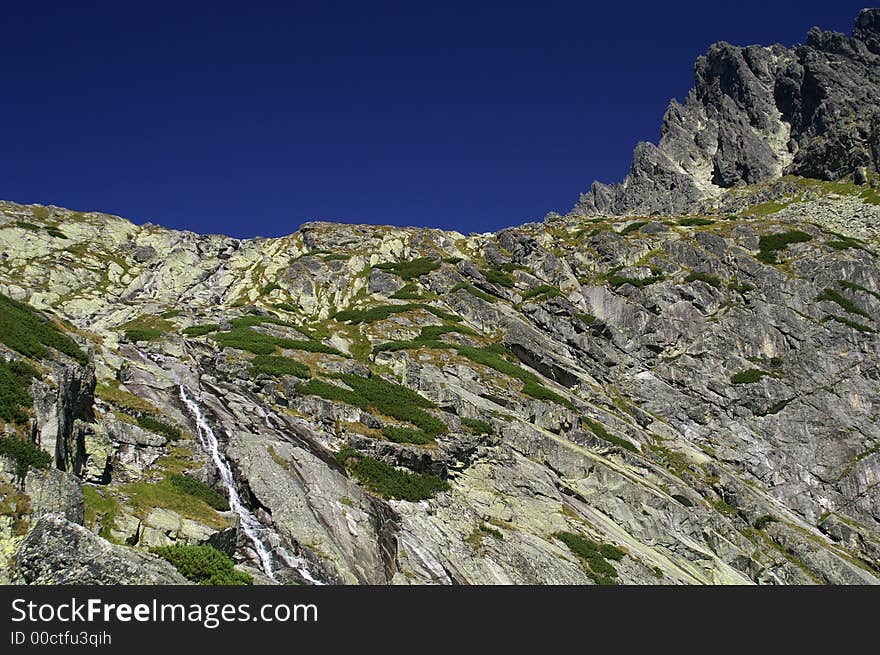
<point x="258" y="534"/>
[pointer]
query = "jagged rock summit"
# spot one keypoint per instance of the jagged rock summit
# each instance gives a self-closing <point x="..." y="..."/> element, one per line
<point x="756" y="113"/>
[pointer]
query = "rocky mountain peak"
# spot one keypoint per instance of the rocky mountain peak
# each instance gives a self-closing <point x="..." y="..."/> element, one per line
<point x="754" y="114"/>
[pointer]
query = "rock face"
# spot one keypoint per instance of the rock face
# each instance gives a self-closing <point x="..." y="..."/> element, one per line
<point x="58" y="552"/>
<point x="686" y="400"/>
<point x="755" y="113"/>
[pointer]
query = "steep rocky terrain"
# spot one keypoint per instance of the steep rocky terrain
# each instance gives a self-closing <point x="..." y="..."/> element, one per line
<point x="593" y="399"/>
<point x="755" y="113"/>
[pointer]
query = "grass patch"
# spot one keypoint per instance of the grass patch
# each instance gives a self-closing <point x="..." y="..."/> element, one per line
<point x="749" y="376"/>
<point x="599" y="430"/>
<point x="200" y="330"/>
<point x="203" y="564"/>
<point x="152" y="424"/>
<point x="171" y="313"/>
<point x="543" y="290"/>
<point x="376" y="394"/>
<point x="25" y="453"/>
<point x="616" y="280"/>
<point x="15" y="380"/>
<point x="387" y="481"/>
<point x="763" y="521"/>
<point x="770" y="244"/>
<point x="99" y="506"/>
<point x="124" y="400"/>
<point x="765" y="208"/>
<point x="408" y="292"/>
<point x="633" y="227"/>
<point x="410" y="269"/>
<point x="197" y="488"/>
<point x="476" y="426"/>
<point x="276" y="366"/>
<point x="143" y="334"/>
<point x="498" y="276"/>
<point x="260" y="343"/>
<point x="381" y="312"/>
<point x="593" y="556"/>
<point x="708" y="278"/>
<point x="855" y="325"/>
<point x="832" y="296"/>
<point x="695" y="221"/>
<point x="30" y="333"/>
<point x="399" y="434"/>
<point x="476" y="293"/>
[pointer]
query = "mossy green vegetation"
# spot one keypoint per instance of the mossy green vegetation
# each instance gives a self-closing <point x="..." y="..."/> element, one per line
<point x="477" y="426"/>
<point x="388" y="481"/>
<point x="831" y="295"/>
<point x="30" y="333"/>
<point x="195" y="487"/>
<point x="171" y="313"/>
<point x="476" y="293"/>
<point x="770" y="244"/>
<point x="852" y="286"/>
<point x="708" y="278"/>
<point x="144" y="496"/>
<point x="615" y="280"/>
<point x="763" y="521"/>
<point x="593" y="556"/>
<point x="410" y="269"/>
<point x="377" y="394"/>
<point x="632" y="227"/>
<point x="498" y="276"/>
<point x="128" y="402"/>
<point x="277" y="366"/>
<point x="599" y="430"/>
<point x="143" y="334"/>
<point x="855" y="325"/>
<point x="408" y="292"/>
<point x="200" y="330"/>
<point x="171" y="432"/>
<point x="749" y="376"/>
<point x="203" y="564"/>
<point x="381" y="312"/>
<point x="399" y="434"/>
<point x="15" y="379"/>
<point x="100" y="507"/>
<point x="695" y="221"/>
<point x="261" y="343"/>
<point x="545" y="290"/>
<point x="25" y="453"/>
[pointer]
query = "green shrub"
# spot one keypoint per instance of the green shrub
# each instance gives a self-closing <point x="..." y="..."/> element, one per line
<point x="832" y="296"/>
<point x="770" y="244"/>
<point x="197" y="488"/>
<point x="376" y="394"/>
<point x="153" y="424"/>
<point x="708" y="278"/>
<point x="695" y="221"/>
<point x="31" y="334"/>
<point x="749" y="376"/>
<point x="633" y="227"/>
<point x="543" y="290"/>
<point x="476" y="426"/>
<point x="269" y="288"/>
<point x="399" y="434"/>
<point x="855" y="325"/>
<point x="143" y="334"/>
<point x="410" y="269"/>
<point x="203" y="564"/>
<point x="452" y="260"/>
<point x="498" y="276"/>
<point x="53" y="231"/>
<point x="599" y="430"/>
<point x="852" y="286"/>
<point x="482" y="295"/>
<point x="407" y="292"/>
<point x="593" y="556"/>
<point x="15" y="379"/>
<point x="200" y="330"/>
<point x="25" y="453"/>
<point x="431" y="332"/>
<point x="387" y="481"/>
<point x="273" y="365"/>
<point x="25" y="225"/>
<point x="381" y="312"/>
<point x="260" y="343"/>
<point x="616" y="280"/>
<point x="336" y="257"/>
<point x="763" y="521"/>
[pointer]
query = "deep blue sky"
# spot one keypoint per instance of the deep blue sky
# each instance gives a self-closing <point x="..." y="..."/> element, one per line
<point x="250" y="118"/>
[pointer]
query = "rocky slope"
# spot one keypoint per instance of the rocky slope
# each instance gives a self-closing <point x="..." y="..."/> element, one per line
<point x="755" y="113"/>
<point x="698" y="397"/>
<point x="593" y="399"/>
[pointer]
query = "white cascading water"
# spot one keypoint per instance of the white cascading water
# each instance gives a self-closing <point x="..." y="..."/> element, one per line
<point x="254" y="530"/>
